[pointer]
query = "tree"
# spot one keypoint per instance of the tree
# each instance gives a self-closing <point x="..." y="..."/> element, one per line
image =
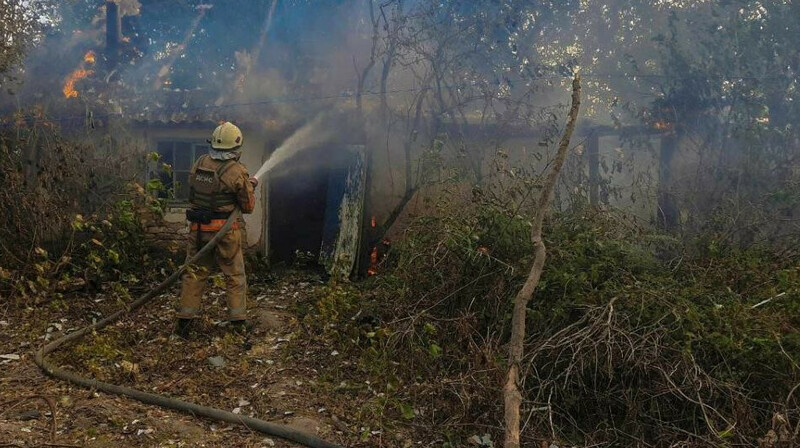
<point x="476" y="72"/>
<point x="511" y="393"/>
<point x="731" y="96"/>
<point x="21" y="23"/>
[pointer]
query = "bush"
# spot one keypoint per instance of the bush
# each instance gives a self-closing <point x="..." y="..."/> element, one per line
<point x="69" y="222"/>
<point x="100" y="248"/>
<point x="632" y="338"/>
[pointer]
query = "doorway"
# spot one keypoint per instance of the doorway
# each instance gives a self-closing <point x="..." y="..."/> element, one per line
<point x="316" y="208"/>
<point x="297" y="208"/>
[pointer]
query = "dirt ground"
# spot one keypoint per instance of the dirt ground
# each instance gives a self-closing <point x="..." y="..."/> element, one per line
<point x="259" y="374"/>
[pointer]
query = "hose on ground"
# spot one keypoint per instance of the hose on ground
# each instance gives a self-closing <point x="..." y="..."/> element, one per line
<point x="273" y="429"/>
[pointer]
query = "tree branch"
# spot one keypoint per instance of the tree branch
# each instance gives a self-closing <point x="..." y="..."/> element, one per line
<point x="512" y="396"/>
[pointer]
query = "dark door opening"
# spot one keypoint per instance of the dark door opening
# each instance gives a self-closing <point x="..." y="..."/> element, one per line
<point x="316" y="208"/>
<point x="297" y="198"/>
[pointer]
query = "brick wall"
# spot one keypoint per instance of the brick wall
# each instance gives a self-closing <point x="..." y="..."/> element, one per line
<point x="167" y="229"/>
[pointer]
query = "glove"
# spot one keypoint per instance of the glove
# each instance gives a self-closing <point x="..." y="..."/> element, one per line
<point x="253" y="181"/>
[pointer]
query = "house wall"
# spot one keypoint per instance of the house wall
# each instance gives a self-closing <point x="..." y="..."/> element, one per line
<point x="626" y="177"/>
<point x="386" y="173"/>
<point x="627" y="173"/>
<point x="692" y="185"/>
<point x="534" y="156"/>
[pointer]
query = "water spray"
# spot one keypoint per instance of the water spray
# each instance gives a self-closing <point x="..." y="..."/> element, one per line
<point x="309" y="135"/>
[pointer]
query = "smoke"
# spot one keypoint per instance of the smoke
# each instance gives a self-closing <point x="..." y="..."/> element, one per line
<point x="129" y="7"/>
<point x="312" y="134"/>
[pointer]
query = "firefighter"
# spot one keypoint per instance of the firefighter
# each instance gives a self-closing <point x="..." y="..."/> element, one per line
<point x="218" y="183"/>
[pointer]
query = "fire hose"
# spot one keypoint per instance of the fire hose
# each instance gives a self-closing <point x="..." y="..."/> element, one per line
<point x="273" y="429"/>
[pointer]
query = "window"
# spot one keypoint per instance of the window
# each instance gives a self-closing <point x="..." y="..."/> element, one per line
<point x="180" y="155"/>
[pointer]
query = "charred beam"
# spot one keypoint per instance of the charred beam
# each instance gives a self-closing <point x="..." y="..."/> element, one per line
<point x="113" y="34"/>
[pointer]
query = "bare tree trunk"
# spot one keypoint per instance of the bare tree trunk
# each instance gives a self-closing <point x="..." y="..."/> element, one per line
<point x="392" y="37"/>
<point x="512" y="396"/>
<point x="410" y="185"/>
<point x="362" y="77"/>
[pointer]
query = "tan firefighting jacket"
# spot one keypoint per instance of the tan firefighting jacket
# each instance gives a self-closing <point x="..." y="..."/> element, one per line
<point x="231" y="188"/>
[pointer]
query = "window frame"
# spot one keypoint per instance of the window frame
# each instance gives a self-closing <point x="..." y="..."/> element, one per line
<point x="197" y="148"/>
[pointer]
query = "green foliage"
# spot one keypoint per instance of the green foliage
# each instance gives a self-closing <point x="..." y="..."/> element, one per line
<point x="627" y="325"/>
<point x="694" y="320"/>
<point x="101" y="248"/>
<point x="99" y="354"/>
<point x="334" y="303"/>
<point x="406" y="410"/>
<point x="155" y="185"/>
<point x="66" y="223"/>
<point x="21" y="25"/>
<point x="112" y="245"/>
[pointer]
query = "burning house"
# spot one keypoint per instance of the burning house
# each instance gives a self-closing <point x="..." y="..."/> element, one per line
<point x="332" y="200"/>
<point x="312" y="207"/>
<point x="120" y="92"/>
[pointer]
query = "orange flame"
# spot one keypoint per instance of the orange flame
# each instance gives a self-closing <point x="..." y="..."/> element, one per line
<point x="90" y="57"/>
<point x="373" y="261"/>
<point x="69" y="84"/>
<point x="374" y="222"/>
<point x="663" y="125"/>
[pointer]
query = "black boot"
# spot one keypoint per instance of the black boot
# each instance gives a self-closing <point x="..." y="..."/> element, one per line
<point x="183" y="328"/>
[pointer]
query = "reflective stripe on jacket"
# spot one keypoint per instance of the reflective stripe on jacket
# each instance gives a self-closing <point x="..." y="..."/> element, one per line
<point x="214" y="226"/>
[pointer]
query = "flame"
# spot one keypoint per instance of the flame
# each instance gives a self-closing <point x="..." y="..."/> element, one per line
<point x="373" y="261"/>
<point x="663" y="125"/>
<point x="69" y="84"/>
<point x="90" y="58"/>
<point x="375" y="256"/>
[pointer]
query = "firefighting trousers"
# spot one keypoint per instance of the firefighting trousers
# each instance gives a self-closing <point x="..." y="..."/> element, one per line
<point x="228" y="257"/>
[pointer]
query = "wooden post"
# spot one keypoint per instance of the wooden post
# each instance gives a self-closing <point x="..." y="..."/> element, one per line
<point x="667" y="210"/>
<point x="593" y="160"/>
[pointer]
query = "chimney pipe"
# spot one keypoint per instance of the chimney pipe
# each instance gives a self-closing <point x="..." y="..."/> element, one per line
<point x="113" y="33"/>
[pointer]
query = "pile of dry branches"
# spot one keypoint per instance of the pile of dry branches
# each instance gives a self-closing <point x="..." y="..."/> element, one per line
<point x="48" y="179"/>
